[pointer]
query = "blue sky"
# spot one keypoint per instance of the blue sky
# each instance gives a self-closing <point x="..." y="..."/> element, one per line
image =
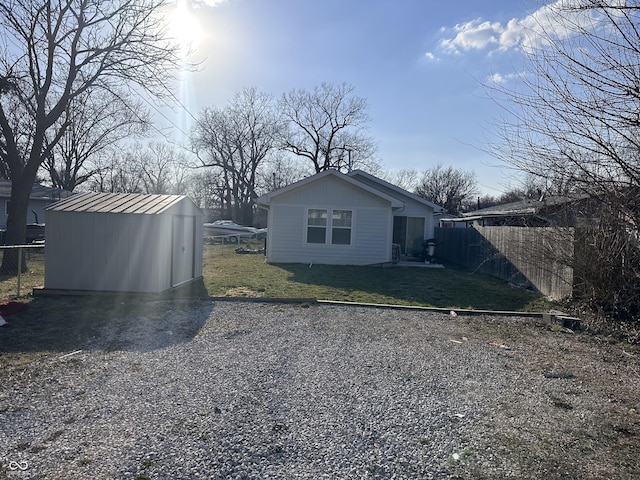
<point x="419" y="63"/>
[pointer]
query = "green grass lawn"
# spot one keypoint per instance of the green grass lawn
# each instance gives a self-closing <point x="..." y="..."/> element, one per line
<point x="32" y="278"/>
<point x="229" y="274"/>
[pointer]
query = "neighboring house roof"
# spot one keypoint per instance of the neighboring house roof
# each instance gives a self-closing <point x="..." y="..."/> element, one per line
<point x="133" y="203"/>
<point x="266" y="199"/>
<point x="527" y="208"/>
<point x="524" y="207"/>
<point x="395" y="189"/>
<point x="37" y="191"/>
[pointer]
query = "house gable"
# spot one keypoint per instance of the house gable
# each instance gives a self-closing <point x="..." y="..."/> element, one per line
<point x="305" y="217"/>
<point x="312" y="181"/>
<point x="332" y="191"/>
<point x="329" y="218"/>
<point x="411" y="201"/>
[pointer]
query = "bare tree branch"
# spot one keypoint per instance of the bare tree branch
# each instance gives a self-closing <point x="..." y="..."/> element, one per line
<point x="327" y="127"/>
<point x="574" y="121"/>
<point x="56" y="51"/>
<point x="237" y="140"/>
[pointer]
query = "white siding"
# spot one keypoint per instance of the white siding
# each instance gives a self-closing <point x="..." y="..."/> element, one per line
<point x="429" y="227"/>
<point x="371" y="242"/>
<point x="331" y="192"/>
<point x="114" y="251"/>
<point x="412" y="207"/>
<point x="370" y="234"/>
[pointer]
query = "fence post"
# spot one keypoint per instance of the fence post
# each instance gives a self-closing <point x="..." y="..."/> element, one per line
<point x="19" y="269"/>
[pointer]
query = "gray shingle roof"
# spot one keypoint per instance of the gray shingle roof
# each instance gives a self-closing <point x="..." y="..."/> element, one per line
<point x="37" y="192"/>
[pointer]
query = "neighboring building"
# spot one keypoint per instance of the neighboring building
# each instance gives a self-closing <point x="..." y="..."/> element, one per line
<point x="122" y="243"/>
<point x="39" y="199"/>
<point x="354" y="219"/>
<point x="453" y="222"/>
<point x="546" y="212"/>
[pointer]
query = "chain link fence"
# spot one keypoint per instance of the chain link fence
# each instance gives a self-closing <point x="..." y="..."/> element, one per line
<point x="220" y="245"/>
<point x="19" y="282"/>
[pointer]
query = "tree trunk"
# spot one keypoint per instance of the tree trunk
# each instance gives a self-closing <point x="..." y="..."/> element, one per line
<point x="16" y="225"/>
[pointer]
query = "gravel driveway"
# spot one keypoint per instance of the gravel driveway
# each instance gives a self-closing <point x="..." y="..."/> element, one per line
<point x="249" y="390"/>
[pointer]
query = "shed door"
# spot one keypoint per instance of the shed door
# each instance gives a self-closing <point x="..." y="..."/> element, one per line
<point x="182" y="263"/>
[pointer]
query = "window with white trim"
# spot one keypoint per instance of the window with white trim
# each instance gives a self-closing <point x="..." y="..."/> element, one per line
<point x="338" y="223"/>
<point x="341" y="227"/>
<point x="317" y="225"/>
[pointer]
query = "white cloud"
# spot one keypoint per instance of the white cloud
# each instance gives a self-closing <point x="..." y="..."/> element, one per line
<point x="496" y="78"/>
<point x="522" y="33"/>
<point x="430" y="56"/>
<point x="499" y="78"/>
<point x="473" y="35"/>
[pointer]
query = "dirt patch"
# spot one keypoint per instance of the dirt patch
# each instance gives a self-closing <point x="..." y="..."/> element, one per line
<point x="242" y="292"/>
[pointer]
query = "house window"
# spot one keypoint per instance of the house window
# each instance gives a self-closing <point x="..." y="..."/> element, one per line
<point x="341" y="227"/>
<point x="317" y="225"/>
<point x="337" y="222"/>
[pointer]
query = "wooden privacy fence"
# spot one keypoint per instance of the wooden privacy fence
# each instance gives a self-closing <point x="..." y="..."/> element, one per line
<point x="537" y="258"/>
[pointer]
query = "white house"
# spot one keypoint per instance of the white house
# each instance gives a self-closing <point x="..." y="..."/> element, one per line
<point x="414" y="222"/>
<point x="354" y="219"/>
<point x="122" y="243"/>
<point x="40" y="197"/>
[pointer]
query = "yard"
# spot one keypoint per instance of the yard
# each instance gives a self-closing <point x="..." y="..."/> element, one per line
<point x="227" y="273"/>
<point x="181" y="388"/>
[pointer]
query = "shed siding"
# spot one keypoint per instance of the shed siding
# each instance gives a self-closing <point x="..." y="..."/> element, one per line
<point x="116" y="252"/>
<point x="370" y="238"/>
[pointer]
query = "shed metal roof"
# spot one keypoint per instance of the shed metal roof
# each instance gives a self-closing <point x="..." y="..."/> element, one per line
<point x="133" y="203"/>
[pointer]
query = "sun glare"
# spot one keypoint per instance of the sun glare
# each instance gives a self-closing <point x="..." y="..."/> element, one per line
<point x="184" y="26"/>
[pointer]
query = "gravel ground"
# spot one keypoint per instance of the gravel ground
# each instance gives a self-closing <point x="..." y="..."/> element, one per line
<point x="249" y="390"/>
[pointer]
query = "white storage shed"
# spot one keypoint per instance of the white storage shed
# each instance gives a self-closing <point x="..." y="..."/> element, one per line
<point x="114" y="242"/>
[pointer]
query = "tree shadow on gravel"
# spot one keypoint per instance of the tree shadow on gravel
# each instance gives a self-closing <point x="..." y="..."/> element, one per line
<point x="106" y="322"/>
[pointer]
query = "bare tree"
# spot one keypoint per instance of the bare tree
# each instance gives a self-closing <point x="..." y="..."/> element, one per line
<point x="281" y="171"/>
<point x="406" y="178"/>
<point x="156" y="165"/>
<point x="448" y="187"/>
<point x="202" y="188"/>
<point x="53" y="52"/>
<point x="117" y="173"/>
<point x="235" y="141"/>
<point x="573" y="121"/>
<point x="96" y="122"/>
<point x="157" y="168"/>
<point x="328" y="127"/>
